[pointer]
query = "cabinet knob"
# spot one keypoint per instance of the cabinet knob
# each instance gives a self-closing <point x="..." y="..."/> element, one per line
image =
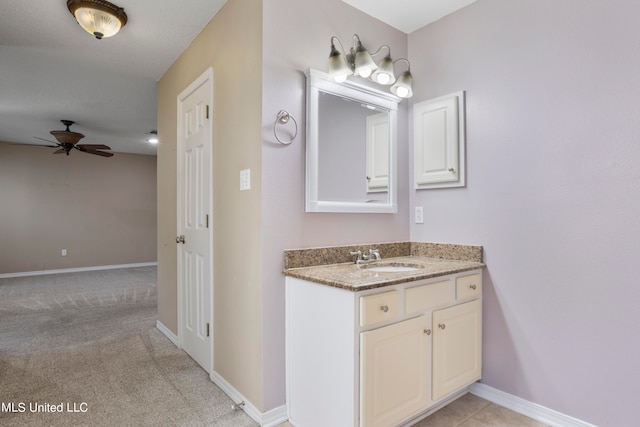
<point x="473" y="287"/>
<point x="451" y="170"/>
<point x="441" y="326"/>
<point x="384" y="308"/>
<point x="427" y="331"/>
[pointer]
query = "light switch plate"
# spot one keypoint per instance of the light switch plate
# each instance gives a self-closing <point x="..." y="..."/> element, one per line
<point x="245" y="179"/>
<point x="419" y="217"/>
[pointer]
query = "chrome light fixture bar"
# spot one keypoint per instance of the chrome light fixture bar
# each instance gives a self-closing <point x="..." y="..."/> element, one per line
<point x="98" y="17"/>
<point x="359" y="62"/>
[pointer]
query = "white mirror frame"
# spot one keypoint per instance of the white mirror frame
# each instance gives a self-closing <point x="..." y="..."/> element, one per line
<point x="317" y="82"/>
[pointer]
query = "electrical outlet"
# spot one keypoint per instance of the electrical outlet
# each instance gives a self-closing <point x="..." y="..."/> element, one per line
<point x="245" y="179"/>
<point x="63" y="252"/>
<point x="419" y="217"/>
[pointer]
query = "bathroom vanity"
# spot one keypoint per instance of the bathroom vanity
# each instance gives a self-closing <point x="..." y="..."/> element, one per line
<point x="381" y="344"/>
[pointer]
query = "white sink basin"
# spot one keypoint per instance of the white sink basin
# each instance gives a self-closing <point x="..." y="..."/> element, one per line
<point x="392" y="268"/>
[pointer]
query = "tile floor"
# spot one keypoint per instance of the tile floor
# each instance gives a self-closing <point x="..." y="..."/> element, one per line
<point x="472" y="411"/>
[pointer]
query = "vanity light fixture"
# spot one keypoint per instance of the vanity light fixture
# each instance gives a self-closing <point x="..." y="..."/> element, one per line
<point x="98" y="17"/>
<point x="359" y="62"/>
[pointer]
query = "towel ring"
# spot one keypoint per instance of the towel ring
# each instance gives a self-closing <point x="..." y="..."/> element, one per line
<point x="283" y="118"/>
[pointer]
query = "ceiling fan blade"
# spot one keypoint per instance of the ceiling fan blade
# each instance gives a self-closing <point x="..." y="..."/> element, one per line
<point x="93" y="146"/>
<point x="60" y="151"/>
<point x="98" y="153"/>
<point x="57" y="144"/>
<point x="32" y="145"/>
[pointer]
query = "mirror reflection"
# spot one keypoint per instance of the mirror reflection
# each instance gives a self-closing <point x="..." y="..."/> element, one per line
<point x="353" y="153"/>
<point x="351" y="134"/>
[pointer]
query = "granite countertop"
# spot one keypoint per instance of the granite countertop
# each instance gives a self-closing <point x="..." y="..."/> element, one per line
<point x="358" y="277"/>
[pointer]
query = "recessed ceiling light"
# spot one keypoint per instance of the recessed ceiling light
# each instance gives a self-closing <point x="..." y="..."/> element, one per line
<point x="153" y="139"/>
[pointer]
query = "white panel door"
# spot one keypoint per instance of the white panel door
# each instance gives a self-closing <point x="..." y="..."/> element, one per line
<point x="378" y="153"/>
<point x="195" y="222"/>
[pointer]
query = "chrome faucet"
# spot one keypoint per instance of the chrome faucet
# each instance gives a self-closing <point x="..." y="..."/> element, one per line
<point x="374" y="255"/>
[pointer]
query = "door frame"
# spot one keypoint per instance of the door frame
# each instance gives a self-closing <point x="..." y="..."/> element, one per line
<point x="206" y="75"/>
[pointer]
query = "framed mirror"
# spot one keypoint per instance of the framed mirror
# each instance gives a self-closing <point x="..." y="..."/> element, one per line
<point x="351" y="147"/>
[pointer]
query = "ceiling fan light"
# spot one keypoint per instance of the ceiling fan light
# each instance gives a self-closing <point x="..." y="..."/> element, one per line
<point x="98" y="17"/>
<point x="66" y="136"/>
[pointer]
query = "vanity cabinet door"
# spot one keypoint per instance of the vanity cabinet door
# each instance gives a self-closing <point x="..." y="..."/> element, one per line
<point x="457" y="347"/>
<point x="394" y="377"/>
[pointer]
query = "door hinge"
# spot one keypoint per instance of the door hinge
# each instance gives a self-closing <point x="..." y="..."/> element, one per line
<point x="207" y="220"/>
<point x="207" y="111"/>
<point x="207" y="329"/>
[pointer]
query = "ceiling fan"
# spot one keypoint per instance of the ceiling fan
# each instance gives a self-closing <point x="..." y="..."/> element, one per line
<point x="68" y="140"/>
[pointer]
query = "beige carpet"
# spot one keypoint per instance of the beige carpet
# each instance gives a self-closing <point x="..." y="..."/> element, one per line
<point x="86" y="343"/>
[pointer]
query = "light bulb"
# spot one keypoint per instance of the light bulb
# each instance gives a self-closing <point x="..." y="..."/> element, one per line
<point x="402" y="92"/>
<point x="364" y="72"/>
<point x="340" y="78"/>
<point x="383" y="79"/>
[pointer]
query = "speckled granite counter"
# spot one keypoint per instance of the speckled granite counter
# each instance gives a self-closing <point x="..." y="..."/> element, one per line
<point x="429" y="260"/>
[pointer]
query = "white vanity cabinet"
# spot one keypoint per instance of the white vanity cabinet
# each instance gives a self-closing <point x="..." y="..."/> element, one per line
<point x="381" y="357"/>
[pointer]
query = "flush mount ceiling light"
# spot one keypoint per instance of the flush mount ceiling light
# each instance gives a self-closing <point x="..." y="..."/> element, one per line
<point x="98" y="17"/>
<point x="359" y="62"/>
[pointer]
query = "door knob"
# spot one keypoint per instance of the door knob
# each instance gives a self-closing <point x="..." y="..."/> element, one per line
<point x="180" y="239"/>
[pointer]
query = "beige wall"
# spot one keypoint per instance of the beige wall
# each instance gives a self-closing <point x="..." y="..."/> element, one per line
<point x="232" y="44"/>
<point x="102" y="210"/>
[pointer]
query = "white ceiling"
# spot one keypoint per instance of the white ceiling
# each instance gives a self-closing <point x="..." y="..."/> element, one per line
<point x="50" y="69"/>
<point x="408" y="15"/>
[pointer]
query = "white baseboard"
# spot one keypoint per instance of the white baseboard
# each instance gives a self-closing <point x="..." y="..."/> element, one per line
<point x="524" y="407"/>
<point x="167" y="333"/>
<point x="76" y="270"/>
<point x="275" y="416"/>
<point x="267" y="419"/>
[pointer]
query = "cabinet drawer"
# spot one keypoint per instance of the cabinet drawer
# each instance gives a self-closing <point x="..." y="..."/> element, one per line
<point x="378" y="307"/>
<point x="468" y="286"/>
<point x="421" y="298"/>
